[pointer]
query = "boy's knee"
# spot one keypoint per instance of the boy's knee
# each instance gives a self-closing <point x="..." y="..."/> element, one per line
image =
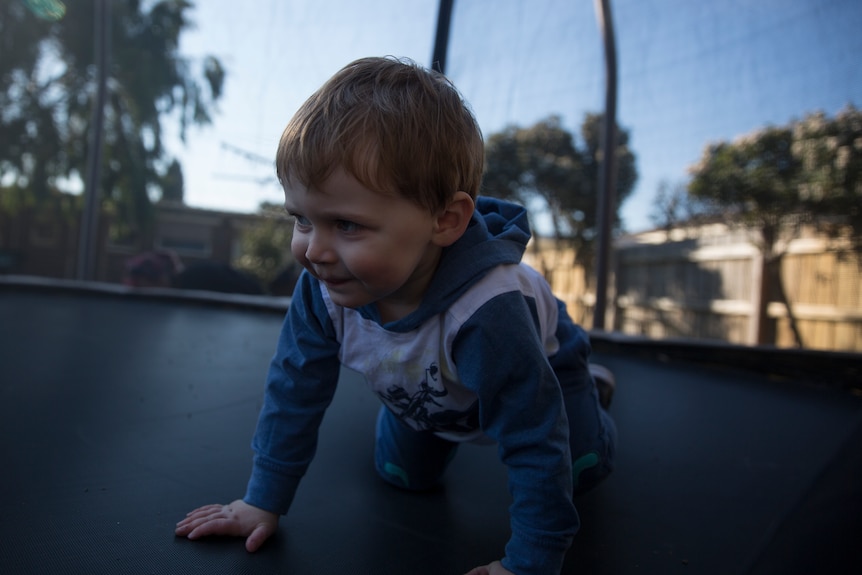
<point x="393" y="474"/>
<point x="409" y="459"/>
<point x="595" y="465"/>
<point x="399" y="477"/>
<point x="588" y="471"/>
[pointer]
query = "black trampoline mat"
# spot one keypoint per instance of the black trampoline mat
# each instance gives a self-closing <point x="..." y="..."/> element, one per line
<point x="119" y="414"/>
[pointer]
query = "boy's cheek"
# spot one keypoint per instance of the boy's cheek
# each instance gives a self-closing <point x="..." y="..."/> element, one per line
<point x="299" y="249"/>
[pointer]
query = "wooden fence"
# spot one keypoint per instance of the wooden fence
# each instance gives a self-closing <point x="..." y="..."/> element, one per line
<point x="705" y="284"/>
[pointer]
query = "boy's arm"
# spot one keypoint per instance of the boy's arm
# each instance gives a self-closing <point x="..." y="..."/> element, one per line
<point x="501" y="356"/>
<point x="299" y="388"/>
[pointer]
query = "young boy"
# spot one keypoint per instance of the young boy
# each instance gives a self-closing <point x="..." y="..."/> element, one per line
<point x="416" y="283"/>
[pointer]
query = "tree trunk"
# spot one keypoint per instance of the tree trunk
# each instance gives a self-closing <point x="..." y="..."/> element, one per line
<point x="765" y="329"/>
<point x="771" y="282"/>
<point x="782" y="297"/>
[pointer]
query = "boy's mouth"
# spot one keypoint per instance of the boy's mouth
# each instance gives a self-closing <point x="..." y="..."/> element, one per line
<point x="333" y="281"/>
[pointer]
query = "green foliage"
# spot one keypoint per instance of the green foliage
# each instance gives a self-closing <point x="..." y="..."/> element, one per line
<point x="752" y="181"/>
<point x="14" y="200"/>
<point x="831" y="184"/>
<point x="778" y="178"/>
<point x="266" y="247"/>
<point x="48" y="85"/>
<point x="544" y="162"/>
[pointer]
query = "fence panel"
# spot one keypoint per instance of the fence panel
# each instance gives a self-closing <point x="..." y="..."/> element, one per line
<point x="707" y="287"/>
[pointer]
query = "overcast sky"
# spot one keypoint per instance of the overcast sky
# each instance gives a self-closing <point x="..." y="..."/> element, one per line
<point x="690" y="72"/>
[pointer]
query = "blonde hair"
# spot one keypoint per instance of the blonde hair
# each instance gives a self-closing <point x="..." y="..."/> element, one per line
<point x="394" y="126"/>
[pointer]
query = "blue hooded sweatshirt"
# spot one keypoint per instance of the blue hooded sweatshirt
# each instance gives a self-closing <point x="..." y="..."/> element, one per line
<point x="501" y="349"/>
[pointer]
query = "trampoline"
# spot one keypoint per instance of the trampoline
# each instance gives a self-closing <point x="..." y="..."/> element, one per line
<point x="122" y="411"/>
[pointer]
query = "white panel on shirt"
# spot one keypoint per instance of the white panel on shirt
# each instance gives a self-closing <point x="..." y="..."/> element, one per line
<point x="413" y="373"/>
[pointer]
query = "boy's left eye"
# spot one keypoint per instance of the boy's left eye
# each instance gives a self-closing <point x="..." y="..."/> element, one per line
<point x="347" y="226"/>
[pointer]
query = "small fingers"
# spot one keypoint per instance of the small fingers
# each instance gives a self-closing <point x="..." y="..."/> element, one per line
<point x="198" y="517"/>
<point x="206" y="510"/>
<point x="214" y="526"/>
<point x="260" y="534"/>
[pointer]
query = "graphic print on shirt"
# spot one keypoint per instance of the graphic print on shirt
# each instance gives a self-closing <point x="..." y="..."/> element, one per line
<point x="396" y="363"/>
<point x="416" y="410"/>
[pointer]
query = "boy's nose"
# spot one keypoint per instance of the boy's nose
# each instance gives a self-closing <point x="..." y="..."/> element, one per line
<point x="319" y="249"/>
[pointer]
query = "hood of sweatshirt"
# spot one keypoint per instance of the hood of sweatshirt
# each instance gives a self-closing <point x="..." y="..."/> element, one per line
<point x="497" y="235"/>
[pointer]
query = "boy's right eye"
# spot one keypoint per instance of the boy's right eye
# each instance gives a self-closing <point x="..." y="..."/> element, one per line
<point x="301" y="220"/>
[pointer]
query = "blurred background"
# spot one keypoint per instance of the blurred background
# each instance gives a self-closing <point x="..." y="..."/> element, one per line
<point x="738" y="177"/>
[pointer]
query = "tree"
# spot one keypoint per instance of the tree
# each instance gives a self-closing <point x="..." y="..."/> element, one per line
<point x="779" y="178"/>
<point x="266" y="247"/>
<point x="830" y="189"/>
<point x="544" y="162"/>
<point x="754" y="181"/>
<point x="673" y="206"/>
<point x="173" y="184"/>
<point x="47" y="88"/>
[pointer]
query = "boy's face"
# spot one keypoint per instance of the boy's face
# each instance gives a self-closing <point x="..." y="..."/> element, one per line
<point x="364" y="246"/>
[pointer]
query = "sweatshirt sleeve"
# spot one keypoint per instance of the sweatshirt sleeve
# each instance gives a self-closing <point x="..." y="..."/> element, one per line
<point x="500" y="355"/>
<point x="300" y="385"/>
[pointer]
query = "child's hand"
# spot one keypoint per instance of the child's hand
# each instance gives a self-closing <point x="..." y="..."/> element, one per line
<point x="495" y="568"/>
<point x="237" y="518"/>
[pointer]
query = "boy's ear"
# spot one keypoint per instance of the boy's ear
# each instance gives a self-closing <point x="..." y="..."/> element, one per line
<point x="453" y="220"/>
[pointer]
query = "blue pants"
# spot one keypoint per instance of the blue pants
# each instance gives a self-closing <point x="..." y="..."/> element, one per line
<point x="416" y="460"/>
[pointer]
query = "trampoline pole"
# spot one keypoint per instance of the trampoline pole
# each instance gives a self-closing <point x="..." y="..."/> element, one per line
<point x="88" y="233"/>
<point x="607" y="173"/>
<point x="441" y="40"/>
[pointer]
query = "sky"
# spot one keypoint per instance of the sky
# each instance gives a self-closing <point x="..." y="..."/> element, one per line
<point x="690" y="73"/>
